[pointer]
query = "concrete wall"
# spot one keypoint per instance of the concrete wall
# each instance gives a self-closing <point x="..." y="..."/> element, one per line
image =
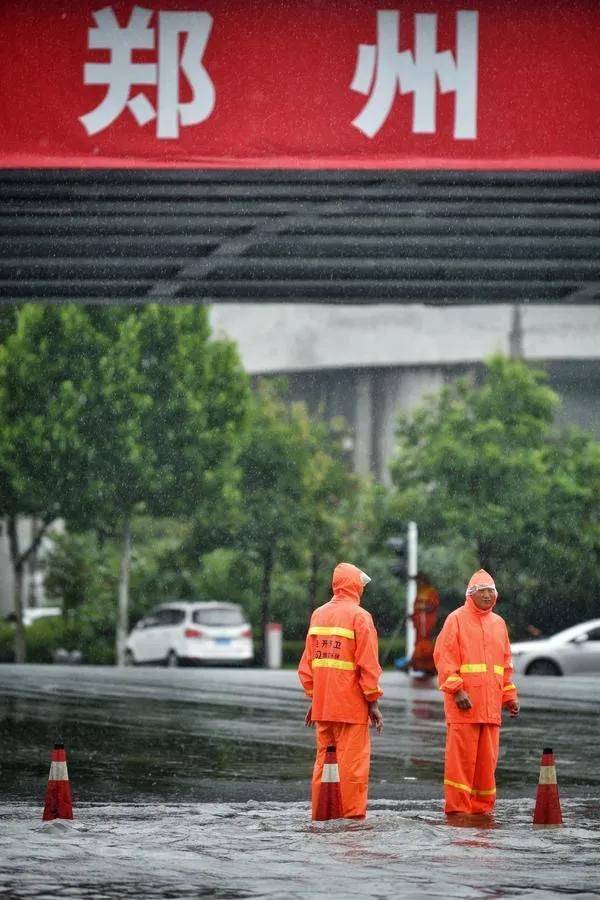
<point x="367" y="363"/>
<point x="300" y="337"/>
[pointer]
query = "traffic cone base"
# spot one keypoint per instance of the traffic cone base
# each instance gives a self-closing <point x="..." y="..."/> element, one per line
<point x="329" y="804"/>
<point x="58" y="804"/>
<point x="547" y="813"/>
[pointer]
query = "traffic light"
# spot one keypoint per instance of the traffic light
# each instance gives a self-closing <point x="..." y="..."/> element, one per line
<point x="399" y="565"/>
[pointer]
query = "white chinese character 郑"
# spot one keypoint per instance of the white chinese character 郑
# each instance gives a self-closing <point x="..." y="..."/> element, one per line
<point x="121" y="73"/>
<point x="382" y="70"/>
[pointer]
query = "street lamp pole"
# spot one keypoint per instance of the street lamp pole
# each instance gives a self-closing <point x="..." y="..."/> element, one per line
<point x="411" y="586"/>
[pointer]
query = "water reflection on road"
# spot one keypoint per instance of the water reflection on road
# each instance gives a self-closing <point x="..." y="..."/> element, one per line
<point x="216" y="734"/>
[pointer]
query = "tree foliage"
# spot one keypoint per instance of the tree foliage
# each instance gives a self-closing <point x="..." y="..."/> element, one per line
<point x="104" y="415"/>
<point x="49" y="389"/>
<point x="490" y="480"/>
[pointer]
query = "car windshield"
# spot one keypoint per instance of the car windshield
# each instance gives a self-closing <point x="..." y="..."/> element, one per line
<point x="218" y="615"/>
<point x="562" y="637"/>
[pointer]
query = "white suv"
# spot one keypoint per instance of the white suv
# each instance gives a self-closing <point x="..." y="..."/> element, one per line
<point x="181" y="633"/>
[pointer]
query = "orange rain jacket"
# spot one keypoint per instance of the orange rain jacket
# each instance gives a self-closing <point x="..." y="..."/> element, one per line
<point x="472" y="652"/>
<point x="339" y="669"/>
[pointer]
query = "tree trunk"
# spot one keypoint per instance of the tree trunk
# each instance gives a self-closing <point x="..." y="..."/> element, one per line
<point x="18" y="567"/>
<point x="123" y="611"/>
<point x="313" y="581"/>
<point x="267" y="575"/>
<point x="485" y="558"/>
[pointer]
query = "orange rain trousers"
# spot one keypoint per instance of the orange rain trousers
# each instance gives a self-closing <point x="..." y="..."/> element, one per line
<point x="471" y="758"/>
<point x="353" y="747"/>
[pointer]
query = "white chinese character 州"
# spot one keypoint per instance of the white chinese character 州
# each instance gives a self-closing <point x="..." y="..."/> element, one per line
<point x="121" y="73"/>
<point x="381" y="70"/>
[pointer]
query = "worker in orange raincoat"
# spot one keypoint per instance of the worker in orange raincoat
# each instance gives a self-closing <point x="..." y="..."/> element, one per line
<point x="340" y="671"/>
<point x="473" y="659"/>
<point x="424" y="618"/>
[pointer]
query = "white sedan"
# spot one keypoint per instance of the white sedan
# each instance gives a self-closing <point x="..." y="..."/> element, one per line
<point x="574" y="651"/>
<point x="182" y="633"/>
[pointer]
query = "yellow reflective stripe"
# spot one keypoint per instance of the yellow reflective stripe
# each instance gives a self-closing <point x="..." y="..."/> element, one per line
<point x="509" y="687"/>
<point x="469" y="790"/>
<point x="376" y="691"/>
<point x="332" y="664"/>
<point x="453" y="678"/>
<point x="471" y="668"/>
<point x="338" y="632"/>
<point x="456" y="784"/>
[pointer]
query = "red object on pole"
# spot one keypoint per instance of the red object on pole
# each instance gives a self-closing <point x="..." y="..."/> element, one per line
<point x="58" y="804"/>
<point x="547" y="813"/>
<point x="329" y="805"/>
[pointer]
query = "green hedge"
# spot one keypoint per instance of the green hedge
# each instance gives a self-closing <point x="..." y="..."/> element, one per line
<point x="7" y="642"/>
<point x="47" y="635"/>
<point x="52" y="633"/>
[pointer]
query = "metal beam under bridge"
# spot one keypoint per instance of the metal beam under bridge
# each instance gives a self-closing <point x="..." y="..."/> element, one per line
<point x="435" y="237"/>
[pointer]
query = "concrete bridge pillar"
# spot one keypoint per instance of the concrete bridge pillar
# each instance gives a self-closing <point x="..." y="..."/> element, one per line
<point x="399" y="389"/>
<point x="364" y="422"/>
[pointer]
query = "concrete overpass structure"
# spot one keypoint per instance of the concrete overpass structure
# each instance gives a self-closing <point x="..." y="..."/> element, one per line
<point x="367" y="288"/>
<point x="441" y="237"/>
<point x="368" y="363"/>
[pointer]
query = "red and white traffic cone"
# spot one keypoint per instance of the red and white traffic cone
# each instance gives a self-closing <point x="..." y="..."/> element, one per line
<point x="547" y="813"/>
<point x="58" y="804"/>
<point x="329" y="804"/>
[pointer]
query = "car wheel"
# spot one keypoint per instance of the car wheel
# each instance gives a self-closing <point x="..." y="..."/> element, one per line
<point x="172" y="660"/>
<point x="129" y="658"/>
<point x="543" y="667"/>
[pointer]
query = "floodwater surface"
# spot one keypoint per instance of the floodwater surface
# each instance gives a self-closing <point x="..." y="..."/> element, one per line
<point x="271" y="850"/>
<point x="192" y="784"/>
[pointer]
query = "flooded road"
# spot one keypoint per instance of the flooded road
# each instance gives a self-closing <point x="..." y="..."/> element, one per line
<point x="270" y="850"/>
<point x="193" y="783"/>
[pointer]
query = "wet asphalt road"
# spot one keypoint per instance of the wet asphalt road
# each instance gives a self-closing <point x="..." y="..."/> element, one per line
<point x="218" y="734"/>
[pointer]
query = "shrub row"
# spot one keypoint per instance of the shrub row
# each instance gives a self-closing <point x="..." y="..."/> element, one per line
<point x="46" y="636"/>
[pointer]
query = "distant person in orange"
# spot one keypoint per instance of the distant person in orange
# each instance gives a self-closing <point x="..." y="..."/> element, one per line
<point x="424" y="618"/>
<point x="472" y="656"/>
<point x="340" y="671"/>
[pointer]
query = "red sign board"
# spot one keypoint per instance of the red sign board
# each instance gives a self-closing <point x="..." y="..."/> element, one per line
<point x="300" y="84"/>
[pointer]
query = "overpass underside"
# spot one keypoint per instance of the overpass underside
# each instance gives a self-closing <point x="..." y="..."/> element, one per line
<point x="353" y="237"/>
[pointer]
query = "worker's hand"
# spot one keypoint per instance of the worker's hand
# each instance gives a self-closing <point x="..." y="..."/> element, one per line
<point x="308" y="718"/>
<point x="375" y="716"/>
<point x="462" y="699"/>
<point x="513" y="708"/>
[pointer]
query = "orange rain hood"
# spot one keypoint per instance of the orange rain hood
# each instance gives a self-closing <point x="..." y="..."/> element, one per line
<point x="347" y="582"/>
<point x="480" y="579"/>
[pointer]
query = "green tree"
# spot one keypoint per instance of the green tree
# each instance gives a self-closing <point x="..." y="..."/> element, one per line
<point x="488" y="477"/>
<point x="48" y="386"/>
<point x="102" y="416"/>
<point x="366" y="523"/>
<point x="327" y="481"/>
<point x="567" y="570"/>
<point x="273" y="464"/>
<point x="72" y="570"/>
<point x="178" y="403"/>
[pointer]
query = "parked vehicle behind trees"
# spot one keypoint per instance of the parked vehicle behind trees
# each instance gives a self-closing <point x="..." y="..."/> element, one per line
<point x="574" y="651"/>
<point x="181" y="633"/>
